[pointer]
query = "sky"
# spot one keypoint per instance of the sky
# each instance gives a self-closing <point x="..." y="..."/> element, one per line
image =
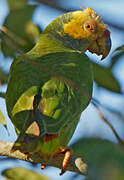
<point x="90" y="121"/>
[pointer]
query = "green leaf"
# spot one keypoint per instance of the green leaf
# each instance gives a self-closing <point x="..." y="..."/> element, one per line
<point x="14" y="4"/>
<point x="0" y="45"/>
<point x="116" y="57"/>
<point x="119" y="48"/>
<point x="2" y="120"/>
<point x="117" y="54"/>
<point x="104" y="77"/>
<point x="3" y="77"/>
<point x="19" y="32"/>
<point x="20" y="173"/>
<point x="105" y="159"/>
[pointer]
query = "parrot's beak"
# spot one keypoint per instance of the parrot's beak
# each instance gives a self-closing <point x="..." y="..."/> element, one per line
<point x="102" y="45"/>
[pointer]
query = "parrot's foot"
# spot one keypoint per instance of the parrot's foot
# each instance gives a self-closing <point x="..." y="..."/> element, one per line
<point x="65" y="161"/>
<point x="43" y="166"/>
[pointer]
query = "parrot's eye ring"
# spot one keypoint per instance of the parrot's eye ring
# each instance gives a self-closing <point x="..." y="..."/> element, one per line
<point x="90" y="26"/>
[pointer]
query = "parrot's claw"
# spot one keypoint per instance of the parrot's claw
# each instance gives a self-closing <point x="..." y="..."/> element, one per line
<point x="66" y="159"/>
<point x="62" y="172"/>
<point x="43" y="166"/>
<point x="65" y="162"/>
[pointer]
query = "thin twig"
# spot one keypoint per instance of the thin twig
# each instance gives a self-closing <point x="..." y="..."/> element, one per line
<point x="120" y="141"/>
<point x="12" y="44"/>
<point x="54" y="4"/>
<point x="12" y="39"/>
<point x="2" y="95"/>
<point x="107" y="107"/>
<point x="13" y="36"/>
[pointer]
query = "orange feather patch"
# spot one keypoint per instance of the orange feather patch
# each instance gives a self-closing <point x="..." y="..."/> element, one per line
<point x="49" y="137"/>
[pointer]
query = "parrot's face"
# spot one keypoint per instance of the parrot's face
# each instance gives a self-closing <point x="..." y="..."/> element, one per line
<point x="87" y="25"/>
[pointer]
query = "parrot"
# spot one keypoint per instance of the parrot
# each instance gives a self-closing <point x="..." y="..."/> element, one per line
<point x="51" y="85"/>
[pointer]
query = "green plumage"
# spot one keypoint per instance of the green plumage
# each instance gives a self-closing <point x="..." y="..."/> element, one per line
<point x="48" y="89"/>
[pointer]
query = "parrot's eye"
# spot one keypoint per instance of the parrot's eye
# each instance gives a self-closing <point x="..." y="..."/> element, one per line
<point x="89" y="26"/>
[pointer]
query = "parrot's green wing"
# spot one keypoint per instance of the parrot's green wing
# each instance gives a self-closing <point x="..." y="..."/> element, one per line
<point x="61" y="82"/>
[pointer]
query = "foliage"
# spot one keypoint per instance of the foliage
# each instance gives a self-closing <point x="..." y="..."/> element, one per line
<point x="2" y="120"/>
<point x="22" y="37"/>
<point x="105" y="159"/>
<point x="22" y="173"/>
<point x="3" y="77"/>
<point x="104" y="77"/>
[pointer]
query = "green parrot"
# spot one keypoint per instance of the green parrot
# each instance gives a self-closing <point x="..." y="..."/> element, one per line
<point x="51" y="85"/>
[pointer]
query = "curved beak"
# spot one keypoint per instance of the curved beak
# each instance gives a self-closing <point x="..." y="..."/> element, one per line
<point x="102" y="45"/>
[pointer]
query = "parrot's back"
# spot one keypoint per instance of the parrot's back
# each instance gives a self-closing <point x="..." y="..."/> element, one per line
<point x="55" y="91"/>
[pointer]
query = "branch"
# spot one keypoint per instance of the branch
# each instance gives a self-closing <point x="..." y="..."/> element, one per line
<point x="54" y="4"/>
<point x="120" y="141"/>
<point x="76" y="164"/>
<point x="2" y="95"/>
<point x="12" y="35"/>
<point x="108" y="108"/>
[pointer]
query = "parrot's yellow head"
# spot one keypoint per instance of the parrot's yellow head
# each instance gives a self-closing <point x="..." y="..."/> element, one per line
<point x="89" y="26"/>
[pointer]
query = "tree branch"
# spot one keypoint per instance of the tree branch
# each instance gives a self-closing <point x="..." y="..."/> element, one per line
<point x="55" y="4"/>
<point x="2" y="95"/>
<point x="108" y="108"/>
<point x="120" y="141"/>
<point x="76" y="164"/>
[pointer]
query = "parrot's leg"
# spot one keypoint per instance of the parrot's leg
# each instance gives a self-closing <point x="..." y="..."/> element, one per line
<point x="65" y="161"/>
<point x="67" y="155"/>
<point x="43" y="166"/>
<point x="66" y="151"/>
